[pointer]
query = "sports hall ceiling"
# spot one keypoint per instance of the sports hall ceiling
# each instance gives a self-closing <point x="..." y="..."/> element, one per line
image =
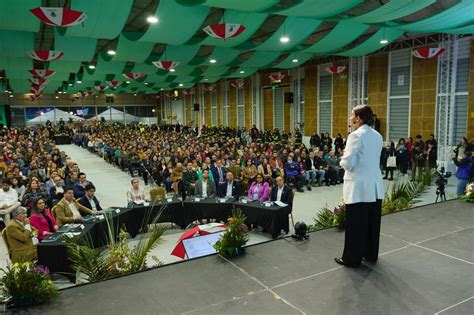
<point x="314" y="28"/>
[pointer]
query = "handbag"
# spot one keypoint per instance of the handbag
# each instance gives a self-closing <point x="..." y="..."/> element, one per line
<point x="392" y="161"/>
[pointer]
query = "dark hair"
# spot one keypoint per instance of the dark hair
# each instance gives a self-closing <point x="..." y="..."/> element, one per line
<point x="34" y="209"/>
<point x="365" y="113"/>
<point x="6" y="181"/>
<point x="89" y="187"/>
<point x="81" y="173"/>
<point x="68" y="188"/>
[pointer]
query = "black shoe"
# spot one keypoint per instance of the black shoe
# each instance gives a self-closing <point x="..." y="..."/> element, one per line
<point x="309" y="187"/>
<point x="385" y="177"/>
<point x="339" y="261"/>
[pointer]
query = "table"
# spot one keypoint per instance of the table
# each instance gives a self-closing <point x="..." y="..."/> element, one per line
<point x="273" y="219"/>
<point x="207" y="208"/>
<point x="62" y="139"/>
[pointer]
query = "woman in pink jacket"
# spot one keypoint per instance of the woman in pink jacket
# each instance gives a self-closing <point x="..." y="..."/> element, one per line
<point x="259" y="190"/>
<point x="42" y="219"/>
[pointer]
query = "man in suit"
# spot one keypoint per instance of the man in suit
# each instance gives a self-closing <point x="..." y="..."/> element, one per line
<point x="230" y="188"/>
<point x="21" y="237"/>
<point x="205" y="188"/>
<point x="89" y="200"/>
<point x="189" y="178"/>
<point x="68" y="210"/>
<point x="218" y="172"/>
<point x="80" y="186"/>
<point x="281" y="192"/>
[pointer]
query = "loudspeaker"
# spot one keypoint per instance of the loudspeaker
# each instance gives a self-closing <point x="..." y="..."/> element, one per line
<point x="109" y="99"/>
<point x="196" y="107"/>
<point x="288" y="97"/>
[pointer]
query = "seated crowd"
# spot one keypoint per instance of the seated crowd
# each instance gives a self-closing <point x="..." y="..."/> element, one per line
<point x="42" y="189"/>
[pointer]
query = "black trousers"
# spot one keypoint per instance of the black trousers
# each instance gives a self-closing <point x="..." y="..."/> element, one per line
<point x="362" y="232"/>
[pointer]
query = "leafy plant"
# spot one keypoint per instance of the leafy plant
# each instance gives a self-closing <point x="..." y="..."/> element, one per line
<point x="26" y="284"/>
<point x="468" y="193"/>
<point x="324" y="219"/>
<point x="119" y="258"/>
<point x="235" y="236"/>
<point x="340" y="215"/>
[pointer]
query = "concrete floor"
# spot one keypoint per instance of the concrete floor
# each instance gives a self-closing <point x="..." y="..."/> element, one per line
<point x="426" y="266"/>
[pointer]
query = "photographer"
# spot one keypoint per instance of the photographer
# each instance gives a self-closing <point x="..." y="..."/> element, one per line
<point x="463" y="172"/>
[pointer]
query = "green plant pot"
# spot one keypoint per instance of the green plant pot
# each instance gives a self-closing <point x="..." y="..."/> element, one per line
<point x="233" y="252"/>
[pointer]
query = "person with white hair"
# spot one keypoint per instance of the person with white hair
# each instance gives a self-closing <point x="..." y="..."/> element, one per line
<point x="21" y="237"/>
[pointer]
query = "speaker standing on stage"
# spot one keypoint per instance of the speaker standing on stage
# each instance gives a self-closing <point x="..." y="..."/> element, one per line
<point x="363" y="190"/>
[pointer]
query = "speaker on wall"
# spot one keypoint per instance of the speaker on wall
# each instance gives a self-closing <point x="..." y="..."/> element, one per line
<point x="196" y="107"/>
<point x="288" y="97"/>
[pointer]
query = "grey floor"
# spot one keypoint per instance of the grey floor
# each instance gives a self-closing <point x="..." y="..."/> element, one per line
<point x="426" y="266"/>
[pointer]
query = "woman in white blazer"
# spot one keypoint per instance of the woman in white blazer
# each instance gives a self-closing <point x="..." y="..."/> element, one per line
<point x="363" y="189"/>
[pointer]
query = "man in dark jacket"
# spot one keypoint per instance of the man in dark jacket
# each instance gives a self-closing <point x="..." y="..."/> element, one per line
<point x="189" y="178"/>
<point x="230" y="188"/>
<point x="292" y="172"/>
<point x="89" y="200"/>
<point x="282" y="192"/>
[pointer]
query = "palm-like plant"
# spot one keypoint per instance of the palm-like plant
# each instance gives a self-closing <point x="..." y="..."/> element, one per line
<point x="324" y="219"/>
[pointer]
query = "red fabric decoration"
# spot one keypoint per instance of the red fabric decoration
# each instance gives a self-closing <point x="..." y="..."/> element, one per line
<point x="224" y="30"/>
<point x="426" y="53"/>
<point x="165" y="65"/>
<point x="40" y="73"/>
<point x="336" y="69"/>
<point x="276" y="78"/>
<point x="45" y="55"/>
<point x="59" y="16"/>
<point x="134" y="75"/>
<point x="38" y="81"/>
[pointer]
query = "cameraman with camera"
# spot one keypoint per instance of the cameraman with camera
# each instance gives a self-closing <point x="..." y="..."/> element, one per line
<point x="463" y="172"/>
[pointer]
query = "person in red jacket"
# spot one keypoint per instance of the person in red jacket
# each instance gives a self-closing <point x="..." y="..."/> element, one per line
<point x="42" y="220"/>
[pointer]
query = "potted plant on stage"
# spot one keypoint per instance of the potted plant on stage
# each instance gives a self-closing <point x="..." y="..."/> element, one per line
<point x="340" y="215"/>
<point x="25" y="284"/>
<point x="469" y="193"/>
<point x="234" y="237"/>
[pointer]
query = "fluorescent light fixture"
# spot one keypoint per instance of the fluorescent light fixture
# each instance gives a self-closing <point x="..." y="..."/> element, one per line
<point x="242" y="71"/>
<point x="172" y="70"/>
<point x="70" y="84"/>
<point x="213" y="61"/>
<point x="383" y="41"/>
<point x="295" y="60"/>
<point x="111" y="52"/>
<point x="152" y="19"/>
<point x="91" y="67"/>
<point x="79" y="81"/>
<point x="181" y="84"/>
<point x="128" y="82"/>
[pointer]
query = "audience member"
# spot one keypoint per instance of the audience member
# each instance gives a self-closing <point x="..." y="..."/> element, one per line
<point x="205" y="187"/>
<point x="80" y="186"/>
<point x="230" y="188"/>
<point x="68" y="210"/>
<point x="21" y="237"/>
<point x="89" y="200"/>
<point x="42" y="219"/>
<point x="292" y="172"/>
<point x="259" y="190"/>
<point x="281" y="192"/>
<point x="135" y="196"/>
<point x="8" y="200"/>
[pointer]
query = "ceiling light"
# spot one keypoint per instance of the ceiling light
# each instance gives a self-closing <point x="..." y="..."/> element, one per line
<point x="79" y="81"/>
<point x="152" y="19"/>
<point x="383" y="41"/>
<point x="134" y="94"/>
<point x="70" y="84"/>
<point x="60" y="92"/>
<point x="71" y="113"/>
<point x="181" y="84"/>
<point x="11" y="95"/>
<point x="9" y="92"/>
<point x="153" y="110"/>
<point x="42" y="113"/>
<point x="172" y="70"/>
<point x="213" y="61"/>
<point x="111" y="52"/>
<point x="57" y="96"/>
<point x="295" y="60"/>
<point x="128" y="82"/>
<point x="206" y="79"/>
<point x="242" y="71"/>
<point x="91" y="67"/>
<point x="284" y="39"/>
<point x="161" y="89"/>
<point x="146" y="83"/>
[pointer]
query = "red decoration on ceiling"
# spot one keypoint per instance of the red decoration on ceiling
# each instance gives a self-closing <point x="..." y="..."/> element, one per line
<point x="336" y="69"/>
<point x="276" y="78"/>
<point x="40" y="73"/>
<point x="101" y="88"/>
<point x="165" y="64"/>
<point x="37" y="89"/>
<point x="426" y="53"/>
<point x="237" y="84"/>
<point x="134" y="75"/>
<point x="38" y="81"/>
<point x="45" y="55"/>
<point x="209" y="88"/>
<point x="224" y="31"/>
<point x="188" y="92"/>
<point x="59" y="16"/>
<point x="113" y="83"/>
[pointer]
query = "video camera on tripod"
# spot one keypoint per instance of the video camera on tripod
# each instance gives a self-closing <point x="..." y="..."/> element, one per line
<point x="441" y="183"/>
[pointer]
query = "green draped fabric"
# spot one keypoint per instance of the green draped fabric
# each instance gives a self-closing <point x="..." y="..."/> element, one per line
<point x="242" y="5"/>
<point x="461" y="30"/>
<point x="247" y="72"/>
<point x="215" y="71"/>
<point x="183" y="54"/>
<point x="104" y="20"/>
<point x="260" y="59"/>
<point x="222" y="55"/>
<point x="15" y="43"/>
<point x="288" y="63"/>
<point x="108" y="65"/>
<point x="318" y="8"/>
<point x="75" y="48"/>
<point x="373" y="43"/>
<point x="129" y="49"/>
<point x="341" y="35"/>
<point x="16" y="15"/>
<point x="176" y="23"/>
<point x="16" y="63"/>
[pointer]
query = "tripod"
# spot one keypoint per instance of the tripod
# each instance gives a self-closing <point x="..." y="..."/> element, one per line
<point x="440" y="193"/>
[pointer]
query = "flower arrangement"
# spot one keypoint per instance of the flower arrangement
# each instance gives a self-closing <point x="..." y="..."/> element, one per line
<point x="327" y="218"/>
<point x="468" y="193"/>
<point x="27" y="284"/>
<point x="234" y="237"/>
<point x="340" y="215"/>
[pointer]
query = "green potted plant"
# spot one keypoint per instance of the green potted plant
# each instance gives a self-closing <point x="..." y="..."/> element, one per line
<point x="234" y="237"/>
<point x="26" y="284"/>
<point x="468" y="193"/>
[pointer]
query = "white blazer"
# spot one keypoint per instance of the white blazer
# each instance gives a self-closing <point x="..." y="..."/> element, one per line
<point x="361" y="162"/>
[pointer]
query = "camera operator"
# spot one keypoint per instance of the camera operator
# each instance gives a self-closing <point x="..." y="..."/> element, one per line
<point x="463" y="172"/>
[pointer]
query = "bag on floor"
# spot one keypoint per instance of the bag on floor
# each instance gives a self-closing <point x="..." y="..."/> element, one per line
<point x="392" y="161"/>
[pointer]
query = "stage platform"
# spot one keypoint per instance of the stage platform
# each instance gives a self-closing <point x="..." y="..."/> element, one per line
<point x="426" y="266"/>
